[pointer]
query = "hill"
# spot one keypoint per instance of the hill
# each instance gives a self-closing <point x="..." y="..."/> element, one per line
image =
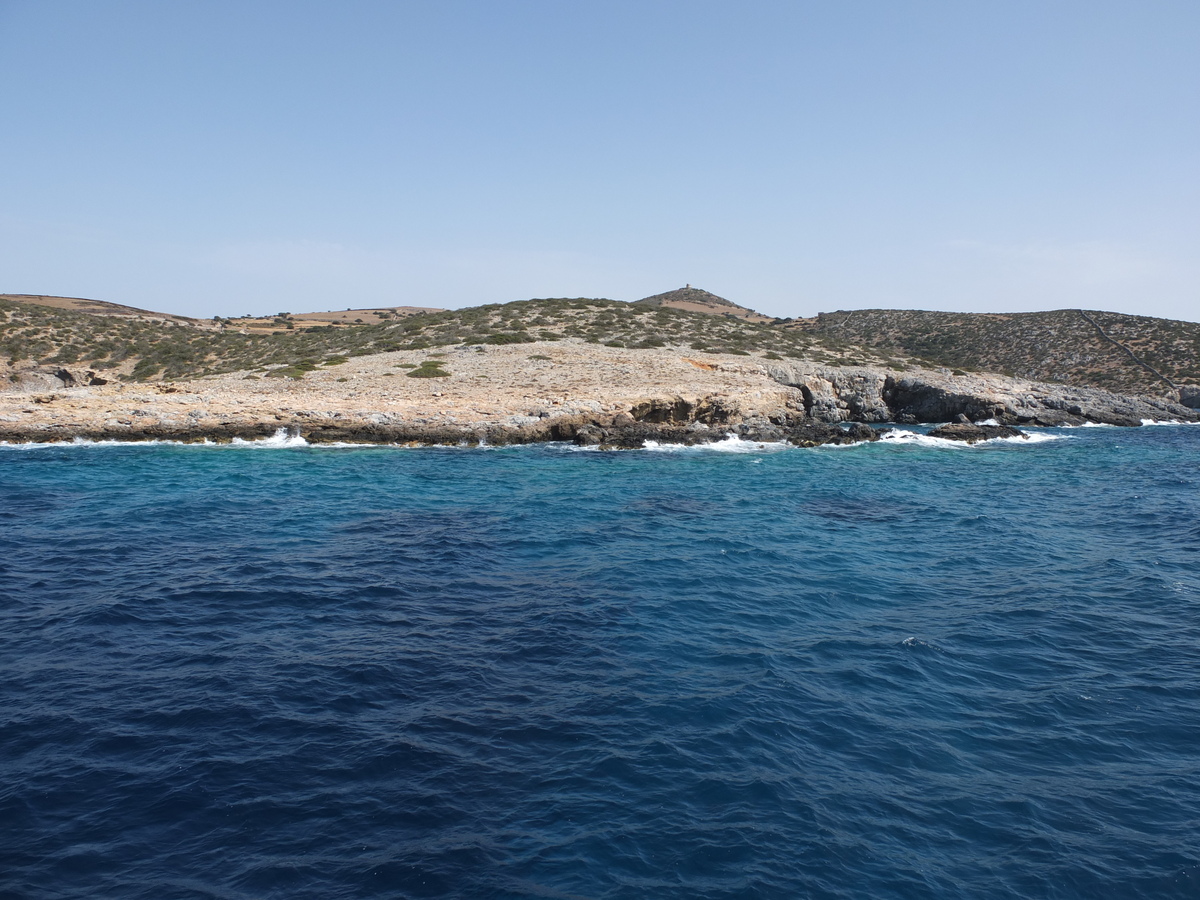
<point x="283" y="321"/>
<point x="141" y="348"/>
<point x="99" y="308"/>
<point x="1121" y="353"/>
<point x="691" y="299"/>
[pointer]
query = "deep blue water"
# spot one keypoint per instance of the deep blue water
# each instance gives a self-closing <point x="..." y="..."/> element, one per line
<point x="884" y="671"/>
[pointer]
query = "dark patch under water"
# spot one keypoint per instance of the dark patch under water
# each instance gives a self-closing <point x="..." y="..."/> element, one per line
<point x="890" y="671"/>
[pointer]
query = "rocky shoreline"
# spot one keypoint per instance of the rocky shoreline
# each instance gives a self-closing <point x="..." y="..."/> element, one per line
<point x="563" y="391"/>
<point x="610" y="436"/>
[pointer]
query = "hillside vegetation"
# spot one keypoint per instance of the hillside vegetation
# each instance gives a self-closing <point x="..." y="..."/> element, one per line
<point x="1130" y="354"/>
<point x="140" y="349"/>
<point x="1127" y="354"/>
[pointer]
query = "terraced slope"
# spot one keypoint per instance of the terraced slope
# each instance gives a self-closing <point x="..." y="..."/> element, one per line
<point x="1128" y="354"/>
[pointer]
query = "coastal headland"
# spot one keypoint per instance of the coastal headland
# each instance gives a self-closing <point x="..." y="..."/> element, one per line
<point x="510" y="381"/>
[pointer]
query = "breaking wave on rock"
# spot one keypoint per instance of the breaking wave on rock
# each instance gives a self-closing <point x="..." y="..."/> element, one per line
<point x="915" y="438"/>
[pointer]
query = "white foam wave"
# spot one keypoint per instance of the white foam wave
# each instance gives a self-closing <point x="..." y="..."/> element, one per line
<point x="282" y="440"/>
<point x="917" y="642"/>
<point x="731" y="444"/>
<point x="279" y="439"/>
<point x="1033" y="437"/>
<point x="835" y="448"/>
<point x="88" y="443"/>
<point x="1163" y="422"/>
<point x="903" y="436"/>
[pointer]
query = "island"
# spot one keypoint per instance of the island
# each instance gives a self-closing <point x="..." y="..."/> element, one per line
<point x="684" y="366"/>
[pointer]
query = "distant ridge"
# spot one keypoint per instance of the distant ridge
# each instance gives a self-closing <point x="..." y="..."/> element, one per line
<point x="695" y="299"/>
<point x="255" y="324"/>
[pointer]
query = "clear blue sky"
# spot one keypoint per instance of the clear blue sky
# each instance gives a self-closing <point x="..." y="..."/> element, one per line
<point x="232" y="157"/>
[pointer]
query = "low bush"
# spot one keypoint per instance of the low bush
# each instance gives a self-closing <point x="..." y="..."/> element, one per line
<point x="508" y="337"/>
<point x="288" y="372"/>
<point x="430" y="368"/>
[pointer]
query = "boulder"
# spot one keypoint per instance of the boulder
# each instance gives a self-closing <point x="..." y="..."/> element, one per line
<point x="819" y="434"/>
<point x="588" y="436"/>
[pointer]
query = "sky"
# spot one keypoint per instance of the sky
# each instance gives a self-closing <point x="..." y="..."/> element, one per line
<point x="261" y="156"/>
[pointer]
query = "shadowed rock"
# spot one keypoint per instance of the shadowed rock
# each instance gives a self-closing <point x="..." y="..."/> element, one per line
<point x="869" y="394"/>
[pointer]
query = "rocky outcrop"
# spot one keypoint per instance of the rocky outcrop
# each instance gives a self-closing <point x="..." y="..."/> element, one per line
<point x="630" y="436"/>
<point x="973" y="434"/>
<point x="678" y="411"/>
<point x="866" y="394"/>
<point x="1189" y="396"/>
<point x="79" y="378"/>
<point x="919" y="399"/>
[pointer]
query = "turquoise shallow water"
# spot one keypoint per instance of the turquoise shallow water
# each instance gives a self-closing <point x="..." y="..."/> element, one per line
<point x="894" y="670"/>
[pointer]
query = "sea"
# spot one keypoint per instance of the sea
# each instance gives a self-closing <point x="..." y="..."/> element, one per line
<point x="904" y="669"/>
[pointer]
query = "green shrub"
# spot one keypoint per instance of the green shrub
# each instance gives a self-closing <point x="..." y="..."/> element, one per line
<point x="508" y="337"/>
<point x="430" y="368"/>
<point x="146" y="368"/>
